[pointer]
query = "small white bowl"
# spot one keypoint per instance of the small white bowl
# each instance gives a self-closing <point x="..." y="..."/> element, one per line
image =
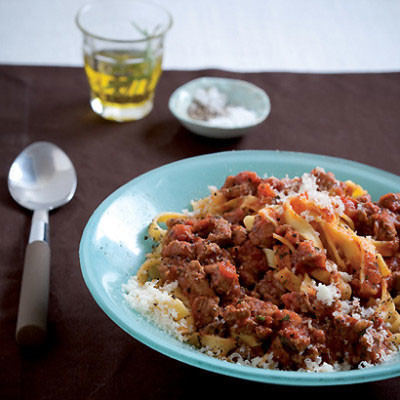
<point x="238" y="92"/>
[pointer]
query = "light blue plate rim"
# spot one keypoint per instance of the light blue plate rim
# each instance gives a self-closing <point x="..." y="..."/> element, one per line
<point x="188" y="120"/>
<point x="200" y="360"/>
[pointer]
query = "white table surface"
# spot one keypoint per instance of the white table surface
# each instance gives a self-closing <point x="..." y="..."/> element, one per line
<point x="238" y="35"/>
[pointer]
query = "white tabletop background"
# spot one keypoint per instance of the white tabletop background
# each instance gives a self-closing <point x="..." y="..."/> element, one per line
<point x="238" y="35"/>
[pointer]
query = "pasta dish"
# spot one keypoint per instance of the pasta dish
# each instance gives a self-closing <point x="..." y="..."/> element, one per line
<point x="295" y="274"/>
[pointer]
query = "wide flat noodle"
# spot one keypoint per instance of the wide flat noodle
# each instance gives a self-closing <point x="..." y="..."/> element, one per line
<point x="347" y="241"/>
<point x="388" y="310"/>
<point x="155" y="230"/>
<point x="149" y="270"/>
<point x="300" y="225"/>
<point x="284" y="241"/>
<point x="216" y="344"/>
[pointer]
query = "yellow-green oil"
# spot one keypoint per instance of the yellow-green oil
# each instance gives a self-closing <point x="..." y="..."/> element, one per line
<point x="122" y="79"/>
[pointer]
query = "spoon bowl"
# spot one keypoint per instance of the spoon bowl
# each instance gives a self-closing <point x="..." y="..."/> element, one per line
<point x="40" y="179"/>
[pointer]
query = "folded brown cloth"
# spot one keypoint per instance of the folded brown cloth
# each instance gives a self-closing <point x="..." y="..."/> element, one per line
<point x="354" y="116"/>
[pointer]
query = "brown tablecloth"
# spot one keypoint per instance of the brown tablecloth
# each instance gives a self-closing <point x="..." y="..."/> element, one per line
<point x="87" y="355"/>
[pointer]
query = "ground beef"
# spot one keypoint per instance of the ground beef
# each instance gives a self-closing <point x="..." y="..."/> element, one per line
<point x="288" y="233"/>
<point x="391" y="201"/>
<point x="372" y="220"/>
<point x="306" y="257"/>
<point x="297" y="301"/>
<point x="239" y="235"/>
<point x="205" y="310"/>
<point x="250" y="316"/>
<point x="223" y="278"/>
<point x="178" y="250"/>
<point x="261" y="232"/>
<point x="270" y="289"/>
<point x="243" y="184"/>
<point x="384" y="225"/>
<point x="253" y="263"/>
<point x="234" y="216"/>
<point x="179" y="232"/>
<point x="216" y="230"/>
<point x="283" y="185"/>
<point x="222" y="269"/>
<point x="325" y="180"/>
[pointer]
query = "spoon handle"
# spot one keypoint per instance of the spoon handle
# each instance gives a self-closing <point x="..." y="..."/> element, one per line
<point x="33" y="301"/>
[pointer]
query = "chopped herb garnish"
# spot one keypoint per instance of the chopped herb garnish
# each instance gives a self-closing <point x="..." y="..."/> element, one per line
<point x="260" y="318"/>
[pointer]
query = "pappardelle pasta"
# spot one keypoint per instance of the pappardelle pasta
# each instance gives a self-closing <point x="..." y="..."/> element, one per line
<point x="293" y="274"/>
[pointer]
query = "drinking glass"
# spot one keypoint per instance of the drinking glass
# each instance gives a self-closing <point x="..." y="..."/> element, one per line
<point x="123" y="44"/>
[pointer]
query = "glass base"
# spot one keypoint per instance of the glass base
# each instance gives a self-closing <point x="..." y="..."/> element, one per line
<point x="121" y="113"/>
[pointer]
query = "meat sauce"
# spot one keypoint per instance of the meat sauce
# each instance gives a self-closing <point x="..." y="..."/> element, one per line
<point x="223" y="271"/>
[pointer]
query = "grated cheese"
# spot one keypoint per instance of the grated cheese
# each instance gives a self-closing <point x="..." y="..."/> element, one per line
<point x="364" y="364"/>
<point x="327" y="294"/>
<point x="345" y="276"/>
<point x="319" y="366"/>
<point x="307" y="216"/>
<point x="330" y="265"/>
<point x="354" y="309"/>
<point x="265" y="362"/>
<point x="321" y="198"/>
<point x="154" y="303"/>
<point x="367" y="312"/>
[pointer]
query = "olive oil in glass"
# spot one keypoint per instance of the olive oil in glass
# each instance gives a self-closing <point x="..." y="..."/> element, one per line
<point x="122" y="82"/>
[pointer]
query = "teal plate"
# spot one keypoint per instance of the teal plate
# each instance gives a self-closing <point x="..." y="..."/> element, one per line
<point x="113" y="246"/>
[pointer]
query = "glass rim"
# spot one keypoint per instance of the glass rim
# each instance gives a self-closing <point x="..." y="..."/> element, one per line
<point x="104" y="38"/>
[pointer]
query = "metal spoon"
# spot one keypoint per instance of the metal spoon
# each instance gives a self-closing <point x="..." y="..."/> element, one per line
<point x="41" y="178"/>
